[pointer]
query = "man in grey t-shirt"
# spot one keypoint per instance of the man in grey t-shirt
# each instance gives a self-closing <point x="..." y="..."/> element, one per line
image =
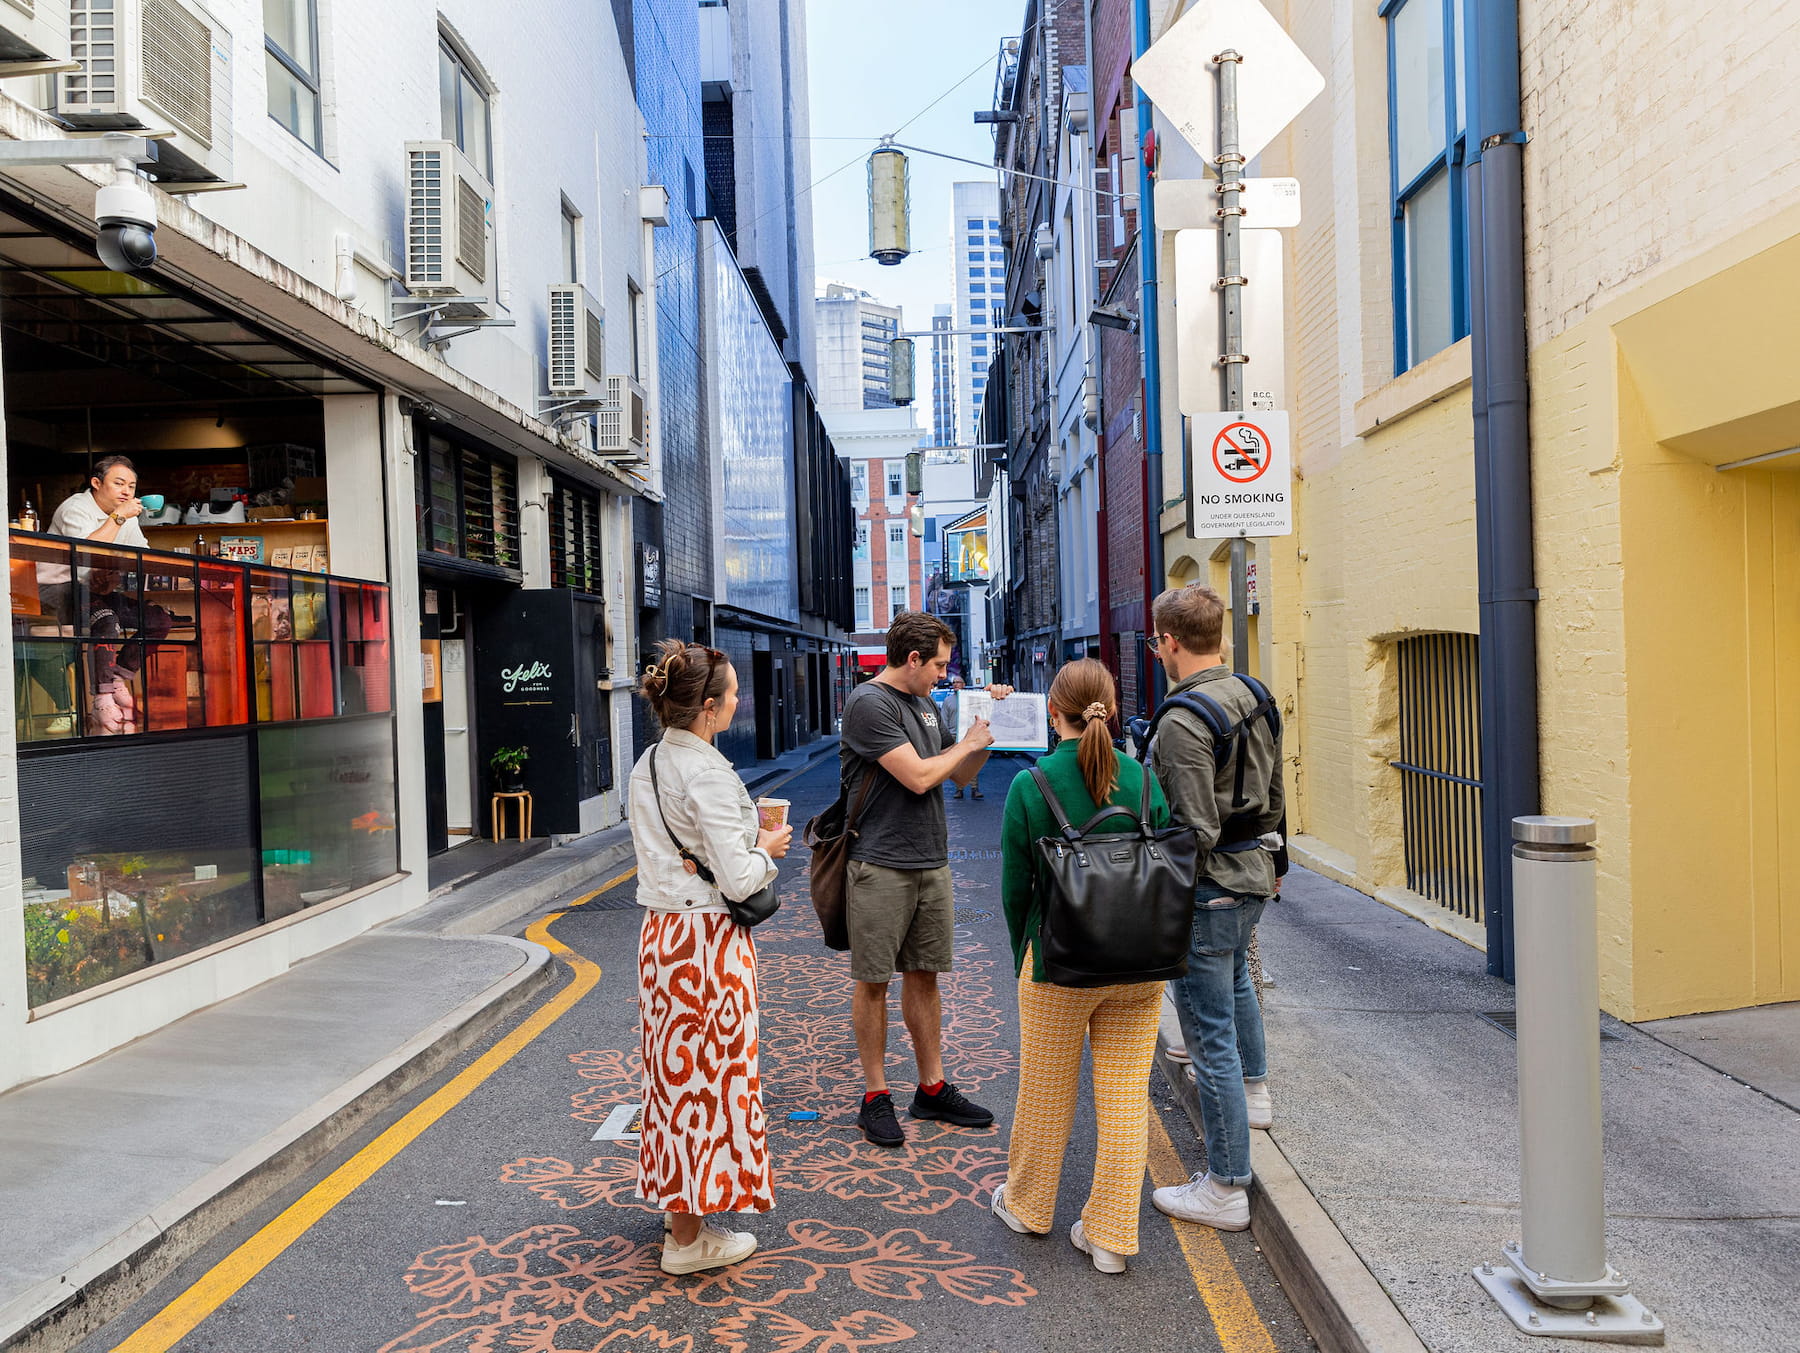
<point x="900" y="910"/>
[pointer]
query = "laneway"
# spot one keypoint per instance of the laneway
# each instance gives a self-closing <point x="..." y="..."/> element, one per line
<point x="493" y="1222"/>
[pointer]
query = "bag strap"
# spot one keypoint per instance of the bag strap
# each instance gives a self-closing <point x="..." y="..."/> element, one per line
<point x="1056" y="809"/>
<point x="862" y="799"/>
<point x="705" y="874"/>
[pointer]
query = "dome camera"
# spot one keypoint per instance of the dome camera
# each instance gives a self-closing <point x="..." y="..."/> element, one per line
<point x="126" y="212"/>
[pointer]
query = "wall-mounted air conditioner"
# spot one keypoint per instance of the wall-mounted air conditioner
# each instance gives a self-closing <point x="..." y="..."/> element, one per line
<point x="33" y="33"/>
<point x="152" y="65"/>
<point x="623" y="425"/>
<point x="575" y="351"/>
<point x="449" y="228"/>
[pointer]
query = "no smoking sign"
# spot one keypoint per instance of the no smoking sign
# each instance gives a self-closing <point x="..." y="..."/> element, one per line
<point x="1240" y="480"/>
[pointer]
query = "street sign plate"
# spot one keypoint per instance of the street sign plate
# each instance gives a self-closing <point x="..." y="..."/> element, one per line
<point x="1193" y="204"/>
<point x="1197" y="385"/>
<point x="1275" y="80"/>
<point x="1240" y="480"/>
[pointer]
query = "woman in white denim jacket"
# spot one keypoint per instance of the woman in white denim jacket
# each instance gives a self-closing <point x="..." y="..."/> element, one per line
<point x="703" y="1147"/>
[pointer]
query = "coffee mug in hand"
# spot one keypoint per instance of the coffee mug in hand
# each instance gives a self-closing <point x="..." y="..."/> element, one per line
<point x="772" y="814"/>
<point x="153" y="502"/>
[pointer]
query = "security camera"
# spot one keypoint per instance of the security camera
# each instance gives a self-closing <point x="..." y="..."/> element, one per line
<point x="126" y="212"/>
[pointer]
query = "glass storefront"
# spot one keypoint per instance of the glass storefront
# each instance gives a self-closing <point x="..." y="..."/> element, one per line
<point x="204" y="746"/>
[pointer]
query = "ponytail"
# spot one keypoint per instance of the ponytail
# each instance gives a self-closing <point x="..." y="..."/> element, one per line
<point x="1083" y="692"/>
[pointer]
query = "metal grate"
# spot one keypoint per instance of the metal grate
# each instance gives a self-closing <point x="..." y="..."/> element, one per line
<point x="1440" y="769"/>
<point x="93" y="41"/>
<point x="1507" y="1022"/>
<point x="564" y="359"/>
<point x="178" y="67"/>
<point x="425" y="220"/>
<point x="471" y="229"/>
<point x="596" y="346"/>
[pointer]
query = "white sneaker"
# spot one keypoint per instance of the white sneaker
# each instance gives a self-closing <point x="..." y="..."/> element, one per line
<point x="712" y="1248"/>
<point x="1001" y="1211"/>
<point x="1224" y="1207"/>
<point x="1260" y="1106"/>
<point x="1104" y="1260"/>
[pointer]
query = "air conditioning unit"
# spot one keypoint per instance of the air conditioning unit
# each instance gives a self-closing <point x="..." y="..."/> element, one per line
<point x="153" y="65"/>
<point x="575" y="354"/>
<point x="622" y="426"/>
<point x="32" y="33"/>
<point x="449" y="228"/>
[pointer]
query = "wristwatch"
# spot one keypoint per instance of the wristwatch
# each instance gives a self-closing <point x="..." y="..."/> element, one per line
<point x="120" y="517"/>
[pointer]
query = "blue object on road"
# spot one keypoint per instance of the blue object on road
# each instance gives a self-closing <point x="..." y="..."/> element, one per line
<point x="803" y="1116"/>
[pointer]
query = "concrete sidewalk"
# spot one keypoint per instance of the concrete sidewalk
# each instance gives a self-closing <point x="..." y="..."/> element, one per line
<point x="1396" y="1105"/>
<point x="114" y="1172"/>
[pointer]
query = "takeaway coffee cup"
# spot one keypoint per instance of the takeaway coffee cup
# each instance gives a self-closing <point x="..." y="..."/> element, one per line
<point x="772" y="814"/>
<point x="153" y="502"/>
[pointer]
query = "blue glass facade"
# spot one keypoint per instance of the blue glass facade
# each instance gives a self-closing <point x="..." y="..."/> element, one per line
<point x="666" y="38"/>
<point x="753" y="425"/>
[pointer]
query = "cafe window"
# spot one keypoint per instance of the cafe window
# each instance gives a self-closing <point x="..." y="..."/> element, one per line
<point x="575" y="560"/>
<point x="467" y="504"/>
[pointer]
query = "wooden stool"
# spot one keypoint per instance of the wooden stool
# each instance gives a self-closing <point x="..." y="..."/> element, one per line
<point x="522" y="798"/>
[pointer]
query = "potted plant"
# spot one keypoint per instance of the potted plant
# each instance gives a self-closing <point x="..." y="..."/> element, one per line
<point x="509" y="768"/>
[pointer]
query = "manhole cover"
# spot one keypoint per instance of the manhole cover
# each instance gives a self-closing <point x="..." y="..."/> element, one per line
<point x="970" y="915"/>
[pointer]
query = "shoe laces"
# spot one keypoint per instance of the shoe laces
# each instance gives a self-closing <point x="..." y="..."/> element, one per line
<point x="950" y="1097"/>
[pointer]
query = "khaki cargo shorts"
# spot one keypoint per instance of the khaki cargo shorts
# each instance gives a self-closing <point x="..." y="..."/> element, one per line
<point x="901" y="920"/>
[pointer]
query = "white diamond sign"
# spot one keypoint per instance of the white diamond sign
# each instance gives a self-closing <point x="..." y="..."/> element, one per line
<point x="1275" y="80"/>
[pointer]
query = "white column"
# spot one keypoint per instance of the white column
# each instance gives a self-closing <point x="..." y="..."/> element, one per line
<point x="354" y="502"/>
<point x="535" y="494"/>
<point x="409" y="709"/>
<point x="13" y="1010"/>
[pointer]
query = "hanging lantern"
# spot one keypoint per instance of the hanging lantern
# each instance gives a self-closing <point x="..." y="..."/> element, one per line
<point x="890" y="230"/>
<point x="900" y="371"/>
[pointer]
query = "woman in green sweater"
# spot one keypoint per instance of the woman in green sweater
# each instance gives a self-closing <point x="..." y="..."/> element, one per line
<point x="1086" y="773"/>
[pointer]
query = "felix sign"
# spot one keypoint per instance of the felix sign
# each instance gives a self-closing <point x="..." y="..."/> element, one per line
<point x="1241" y="480"/>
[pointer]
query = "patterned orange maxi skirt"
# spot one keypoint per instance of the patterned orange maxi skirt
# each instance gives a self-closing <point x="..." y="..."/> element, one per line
<point x="704" y="1147"/>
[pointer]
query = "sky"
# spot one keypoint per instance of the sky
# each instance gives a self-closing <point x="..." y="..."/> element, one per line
<point x="874" y="66"/>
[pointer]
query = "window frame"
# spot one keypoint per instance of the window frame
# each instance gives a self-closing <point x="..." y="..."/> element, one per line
<point x="1449" y="160"/>
<point x="470" y="76"/>
<point x="311" y="80"/>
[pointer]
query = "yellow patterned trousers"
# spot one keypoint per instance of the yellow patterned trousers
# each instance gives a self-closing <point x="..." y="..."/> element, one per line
<point x="1120" y="1025"/>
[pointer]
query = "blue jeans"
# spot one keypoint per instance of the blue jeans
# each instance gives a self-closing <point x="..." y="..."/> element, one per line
<point x="1222" y="1025"/>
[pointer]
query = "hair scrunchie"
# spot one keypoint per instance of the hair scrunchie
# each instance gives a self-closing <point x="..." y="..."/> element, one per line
<point x="1096" y="711"/>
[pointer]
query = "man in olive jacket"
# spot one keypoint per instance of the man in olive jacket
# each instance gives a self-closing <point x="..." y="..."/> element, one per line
<point x="1220" y="1018"/>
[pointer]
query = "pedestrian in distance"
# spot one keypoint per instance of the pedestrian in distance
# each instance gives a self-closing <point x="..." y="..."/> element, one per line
<point x="898" y="900"/>
<point x="704" y="1148"/>
<point x="952" y="714"/>
<point x="1086" y="773"/>
<point x="1216" y="750"/>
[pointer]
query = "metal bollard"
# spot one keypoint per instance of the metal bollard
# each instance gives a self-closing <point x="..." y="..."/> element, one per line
<point x="1557" y="1281"/>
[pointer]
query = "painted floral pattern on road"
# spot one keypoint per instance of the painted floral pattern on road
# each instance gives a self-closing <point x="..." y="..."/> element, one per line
<point x="558" y="1286"/>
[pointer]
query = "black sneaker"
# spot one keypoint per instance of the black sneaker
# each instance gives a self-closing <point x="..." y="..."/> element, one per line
<point x="950" y="1105"/>
<point x="878" y="1123"/>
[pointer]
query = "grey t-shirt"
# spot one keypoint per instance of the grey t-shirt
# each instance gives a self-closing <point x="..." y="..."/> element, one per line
<point x="898" y="828"/>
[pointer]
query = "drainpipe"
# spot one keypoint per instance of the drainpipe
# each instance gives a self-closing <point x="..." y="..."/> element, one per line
<point x="1150" y="326"/>
<point x="1493" y="184"/>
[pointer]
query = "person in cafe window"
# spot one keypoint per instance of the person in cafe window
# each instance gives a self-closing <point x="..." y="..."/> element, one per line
<point x="105" y="513"/>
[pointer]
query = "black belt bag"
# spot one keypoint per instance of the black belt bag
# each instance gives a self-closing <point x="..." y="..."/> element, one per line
<point x="754" y="909"/>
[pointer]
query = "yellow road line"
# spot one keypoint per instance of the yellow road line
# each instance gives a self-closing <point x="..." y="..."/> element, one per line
<point x="1234" y="1316"/>
<point x="180" y="1317"/>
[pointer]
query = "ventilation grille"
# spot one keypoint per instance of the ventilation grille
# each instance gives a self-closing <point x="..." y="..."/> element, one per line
<point x="425" y="218"/>
<point x="565" y="371"/>
<point x="178" y="67"/>
<point x="471" y="229"/>
<point x="619" y="427"/>
<point x="596" y="346"/>
<point x="93" y="41"/>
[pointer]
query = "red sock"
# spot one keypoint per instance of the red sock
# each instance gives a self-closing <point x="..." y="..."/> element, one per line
<point x="925" y="1089"/>
<point x="872" y="1095"/>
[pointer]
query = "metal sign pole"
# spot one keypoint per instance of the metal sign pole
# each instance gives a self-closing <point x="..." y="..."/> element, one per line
<point x="1231" y="287"/>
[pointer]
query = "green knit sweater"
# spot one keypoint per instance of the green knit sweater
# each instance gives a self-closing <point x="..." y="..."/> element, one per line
<point x="1024" y="882"/>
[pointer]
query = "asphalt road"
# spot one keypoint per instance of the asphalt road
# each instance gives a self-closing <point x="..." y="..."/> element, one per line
<point x="479" y="1216"/>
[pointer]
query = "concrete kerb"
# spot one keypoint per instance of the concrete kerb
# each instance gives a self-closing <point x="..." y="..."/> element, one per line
<point x="59" y="1314"/>
<point x="1342" y="1304"/>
